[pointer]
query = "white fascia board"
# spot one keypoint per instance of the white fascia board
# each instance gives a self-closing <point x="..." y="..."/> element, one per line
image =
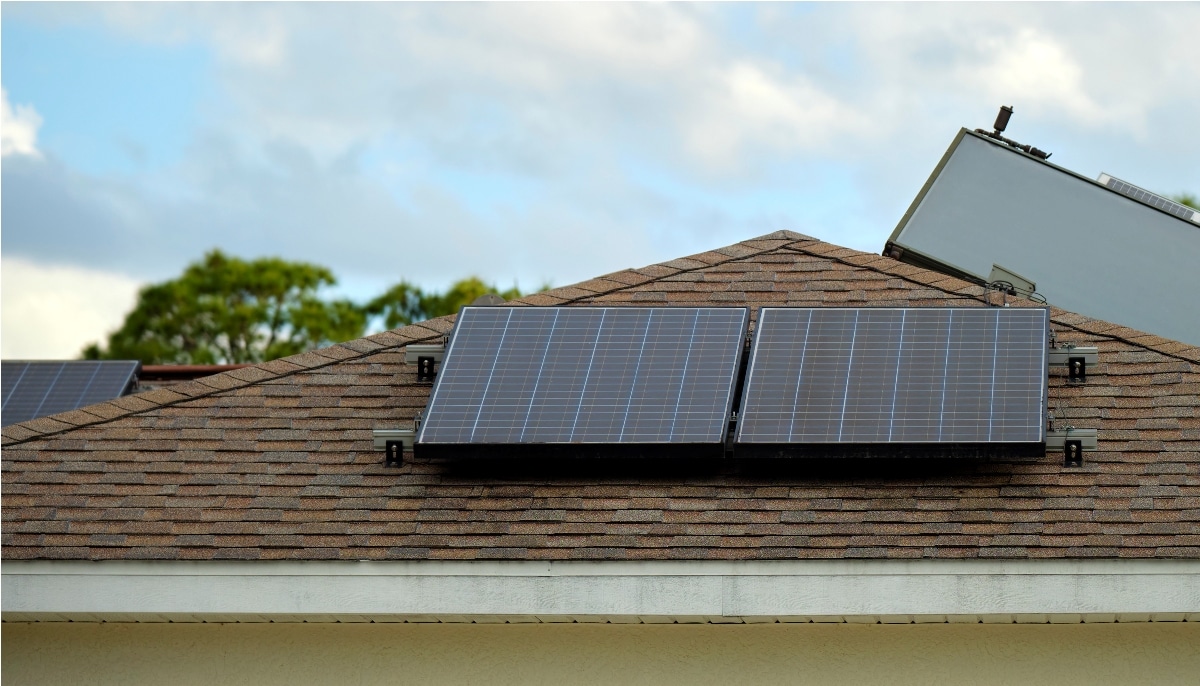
<point x="645" y="591"/>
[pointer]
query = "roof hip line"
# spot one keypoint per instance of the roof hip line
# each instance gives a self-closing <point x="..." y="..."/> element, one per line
<point x="581" y="298"/>
<point x="133" y="413"/>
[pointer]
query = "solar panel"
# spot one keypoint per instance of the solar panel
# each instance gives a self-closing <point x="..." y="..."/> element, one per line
<point x="895" y="381"/>
<point x="575" y="380"/>
<point x="1152" y="199"/>
<point x="39" y="389"/>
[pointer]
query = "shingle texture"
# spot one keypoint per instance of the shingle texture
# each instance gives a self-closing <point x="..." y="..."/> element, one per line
<point x="278" y="462"/>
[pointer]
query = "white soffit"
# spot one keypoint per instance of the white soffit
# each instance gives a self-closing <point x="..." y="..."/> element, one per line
<point x="889" y="591"/>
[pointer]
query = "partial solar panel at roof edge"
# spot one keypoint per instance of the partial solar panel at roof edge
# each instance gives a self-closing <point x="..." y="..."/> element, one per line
<point x="585" y="381"/>
<point x="933" y="382"/>
<point x="42" y="388"/>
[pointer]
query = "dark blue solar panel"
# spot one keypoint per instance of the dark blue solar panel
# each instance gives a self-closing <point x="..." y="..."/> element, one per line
<point x="892" y="376"/>
<point x="586" y="375"/>
<point x="39" y="389"/>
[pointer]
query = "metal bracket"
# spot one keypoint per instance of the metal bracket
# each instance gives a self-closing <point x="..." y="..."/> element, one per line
<point x="393" y="455"/>
<point x="1061" y="357"/>
<point x="425" y="369"/>
<point x="1055" y="440"/>
<point x="426" y="357"/>
<point x="415" y="351"/>
<point x="382" y="436"/>
<point x="1076" y="369"/>
<point x="394" y="442"/>
<point x="1075" y="359"/>
<point x="1073" y="453"/>
<point x="1073" y="442"/>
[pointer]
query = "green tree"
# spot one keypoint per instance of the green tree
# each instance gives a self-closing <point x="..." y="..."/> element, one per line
<point x="224" y="310"/>
<point x="399" y="305"/>
<point x="405" y="303"/>
<point x="1186" y="199"/>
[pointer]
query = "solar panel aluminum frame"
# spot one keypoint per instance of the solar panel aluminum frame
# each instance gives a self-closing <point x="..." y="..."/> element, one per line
<point x="1019" y="449"/>
<point x="424" y="448"/>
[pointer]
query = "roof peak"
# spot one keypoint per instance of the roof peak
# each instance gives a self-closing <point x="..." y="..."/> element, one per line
<point x="678" y="276"/>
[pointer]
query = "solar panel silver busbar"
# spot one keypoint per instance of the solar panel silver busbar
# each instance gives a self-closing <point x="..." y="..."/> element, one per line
<point x="585" y="381"/>
<point x="911" y="382"/>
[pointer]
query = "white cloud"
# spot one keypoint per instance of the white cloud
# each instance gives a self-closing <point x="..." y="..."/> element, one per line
<point x="1030" y="66"/>
<point x="261" y="44"/>
<point x="18" y="128"/>
<point x="1101" y="68"/>
<point x="494" y="85"/>
<point x="752" y="111"/>
<point x="52" y="312"/>
<point x="562" y="141"/>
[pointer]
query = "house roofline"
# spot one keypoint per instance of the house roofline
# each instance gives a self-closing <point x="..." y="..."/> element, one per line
<point x="615" y="282"/>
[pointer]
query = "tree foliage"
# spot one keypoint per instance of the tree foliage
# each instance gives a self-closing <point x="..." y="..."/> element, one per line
<point x="404" y="303"/>
<point x="1187" y="199"/>
<point x="224" y="310"/>
<point x="227" y="310"/>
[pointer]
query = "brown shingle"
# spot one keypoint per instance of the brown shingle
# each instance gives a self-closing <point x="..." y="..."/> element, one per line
<point x="275" y="461"/>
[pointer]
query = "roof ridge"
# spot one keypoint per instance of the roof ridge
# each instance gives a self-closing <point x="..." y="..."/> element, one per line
<point x="126" y="406"/>
<point x="633" y="278"/>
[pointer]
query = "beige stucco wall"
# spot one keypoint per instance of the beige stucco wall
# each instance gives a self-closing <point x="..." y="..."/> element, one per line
<point x="263" y="654"/>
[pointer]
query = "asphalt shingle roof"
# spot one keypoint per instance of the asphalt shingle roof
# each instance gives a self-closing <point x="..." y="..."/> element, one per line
<point x="276" y="460"/>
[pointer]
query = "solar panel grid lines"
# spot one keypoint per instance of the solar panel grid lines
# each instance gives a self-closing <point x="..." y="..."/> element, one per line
<point x="35" y="389"/>
<point x="895" y="380"/>
<point x="585" y="376"/>
<point x="1153" y="199"/>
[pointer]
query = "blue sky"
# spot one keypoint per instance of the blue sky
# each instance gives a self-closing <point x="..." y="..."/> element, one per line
<point x="529" y="143"/>
<point x="109" y="106"/>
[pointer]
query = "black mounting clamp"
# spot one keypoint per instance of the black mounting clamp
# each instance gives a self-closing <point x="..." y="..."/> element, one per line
<point x="1072" y="453"/>
<point x="394" y="442"/>
<point x="1073" y="443"/>
<point x="1075" y="358"/>
<point x="426" y="358"/>
<point x="1077" y="369"/>
<point x="425" y="368"/>
<point x="393" y="455"/>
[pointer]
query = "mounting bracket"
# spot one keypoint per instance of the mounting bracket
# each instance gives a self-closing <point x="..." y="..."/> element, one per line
<point x="1073" y="453"/>
<point x="394" y="442"/>
<point x="1076" y="369"/>
<point x="1075" y="359"/>
<point x="393" y="455"/>
<point x="425" y="369"/>
<point x="425" y="356"/>
<point x="1073" y="442"/>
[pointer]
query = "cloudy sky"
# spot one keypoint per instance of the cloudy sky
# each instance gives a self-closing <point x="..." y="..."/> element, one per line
<point x="529" y="143"/>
